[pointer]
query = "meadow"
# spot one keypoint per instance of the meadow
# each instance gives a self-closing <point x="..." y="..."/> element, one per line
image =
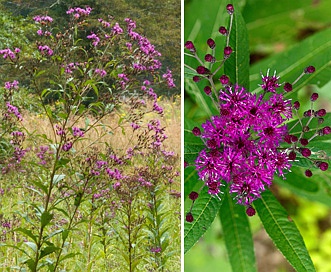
<point x="89" y="153"/>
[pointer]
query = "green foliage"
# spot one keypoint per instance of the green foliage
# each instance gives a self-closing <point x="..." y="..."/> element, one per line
<point x="73" y="197"/>
<point x="266" y="27"/>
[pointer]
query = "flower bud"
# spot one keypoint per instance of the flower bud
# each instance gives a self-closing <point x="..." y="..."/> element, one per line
<point x="230" y="9"/>
<point x="288" y="87"/>
<point x="193" y="195"/>
<point x="211" y="43"/>
<point x="207" y="90"/>
<point x="309" y="70"/>
<point x="190" y="46"/>
<point x="223" y="31"/>
<point x="308" y="173"/>
<point x="227" y="51"/>
<point x="314" y="97"/>
<point x="189" y="217"/>
<point x="224" y="79"/>
<point x="196" y="131"/>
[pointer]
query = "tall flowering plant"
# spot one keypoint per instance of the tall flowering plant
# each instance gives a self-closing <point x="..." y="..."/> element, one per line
<point x="98" y="187"/>
<point x="246" y="138"/>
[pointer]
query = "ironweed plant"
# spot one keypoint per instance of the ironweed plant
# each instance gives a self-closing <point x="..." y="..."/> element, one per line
<point x="73" y="201"/>
<point x="247" y="139"/>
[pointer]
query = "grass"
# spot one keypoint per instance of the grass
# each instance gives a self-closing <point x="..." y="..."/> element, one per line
<point x="99" y="228"/>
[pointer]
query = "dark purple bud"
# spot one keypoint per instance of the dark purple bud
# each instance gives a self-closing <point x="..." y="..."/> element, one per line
<point x="296" y="105"/>
<point x="227" y="51"/>
<point x="292" y="156"/>
<point x="309" y="70"/>
<point x="288" y="138"/>
<point x="303" y="141"/>
<point x="250" y="211"/>
<point x="326" y="130"/>
<point x="313" y="97"/>
<point x="209" y="58"/>
<point x="230" y="8"/>
<point x="190" y="46"/>
<point x="307" y="113"/>
<point x="308" y="173"/>
<point x="294" y="138"/>
<point x="185" y="164"/>
<point x="305" y="152"/>
<point x="207" y="90"/>
<point x="193" y="195"/>
<point x="211" y="43"/>
<point x="322" y="165"/>
<point x="196" y="131"/>
<point x="224" y="79"/>
<point x="189" y="217"/>
<point x="202" y="70"/>
<point x="321" y="112"/>
<point x="223" y="31"/>
<point x="196" y="78"/>
<point x="288" y="87"/>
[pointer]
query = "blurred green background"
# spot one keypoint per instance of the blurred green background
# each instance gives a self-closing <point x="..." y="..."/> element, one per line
<point x="273" y="27"/>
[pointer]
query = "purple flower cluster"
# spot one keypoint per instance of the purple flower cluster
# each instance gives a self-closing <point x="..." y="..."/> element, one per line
<point x="242" y="142"/>
<point x="170" y="80"/>
<point x="45" y="50"/>
<point x="101" y="72"/>
<point x="43" y="19"/>
<point x="9" y="53"/>
<point x="159" y="135"/>
<point x="13" y="110"/>
<point x="44" y="154"/>
<point x="95" y="38"/>
<point x="77" y="12"/>
<point x="146" y="47"/>
<point x="77" y="132"/>
<point x="11" y="85"/>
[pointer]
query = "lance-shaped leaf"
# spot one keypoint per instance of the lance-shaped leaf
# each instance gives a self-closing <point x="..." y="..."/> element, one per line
<point x="283" y="231"/>
<point x="237" y="235"/>
<point x="237" y="66"/>
<point x="204" y="212"/>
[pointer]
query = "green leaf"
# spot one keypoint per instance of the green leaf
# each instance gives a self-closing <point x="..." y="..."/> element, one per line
<point x="70" y="255"/>
<point x="283" y="231"/>
<point x="204" y="211"/>
<point x="61" y="162"/>
<point x="28" y="233"/>
<point x="48" y="250"/>
<point x="31" y="245"/>
<point x="46" y="217"/>
<point x="237" y="66"/>
<point x="237" y="235"/>
<point x="58" y="178"/>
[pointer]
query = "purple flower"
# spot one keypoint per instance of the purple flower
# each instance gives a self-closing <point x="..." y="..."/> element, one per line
<point x="77" y="132"/>
<point x="156" y="249"/>
<point x="44" y="49"/>
<point x="170" y="80"/>
<point x="101" y="72"/>
<point x="67" y="146"/>
<point x="117" y="29"/>
<point x="270" y="83"/>
<point x="13" y="110"/>
<point x="95" y="38"/>
<point x="8" y="53"/>
<point x="241" y="144"/>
